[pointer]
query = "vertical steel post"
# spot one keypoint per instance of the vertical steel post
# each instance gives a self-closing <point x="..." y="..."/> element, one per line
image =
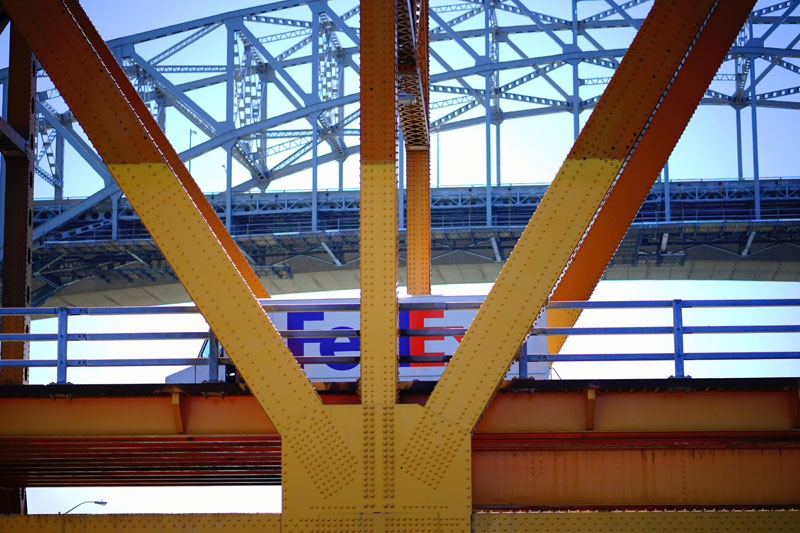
<point x="341" y="174"/>
<point x="58" y="193"/>
<point x="230" y="76"/>
<point x="487" y="99"/>
<point x="401" y="185"/>
<point x="677" y="332"/>
<point x="229" y="188"/>
<point x="522" y="356"/>
<point x="576" y="100"/>
<point x="754" y="125"/>
<point x="18" y="228"/>
<point x="315" y="122"/>
<point x="488" y="148"/>
<point x="115" y="216"/>
<point x="667" y="201"/>
<point x="230" y="119"/>
<point x="378" y="219"/>
<point x="739" y="142"/>
<point x="213" y="357"/>
<point x="497" y="151"/>
<point x="314" y="175"/>
<point x="61" y="346"/>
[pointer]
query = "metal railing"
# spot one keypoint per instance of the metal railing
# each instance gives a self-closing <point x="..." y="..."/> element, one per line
<point x="677" y="329"/>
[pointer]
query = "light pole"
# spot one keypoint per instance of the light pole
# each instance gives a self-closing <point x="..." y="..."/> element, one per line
<point x="189" y="163"/>
<point x="97" y="502"/>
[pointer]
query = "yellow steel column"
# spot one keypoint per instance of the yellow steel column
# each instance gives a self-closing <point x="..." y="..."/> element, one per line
<point x="378" y="251"/>
<point x="191" y="236"/>
<point x="641" y="170"/>
<point x="378" y="204"/>
<point x="556" y="229"/>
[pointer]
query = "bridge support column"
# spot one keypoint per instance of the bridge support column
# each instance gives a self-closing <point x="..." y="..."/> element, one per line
<point x="18" y="228"/>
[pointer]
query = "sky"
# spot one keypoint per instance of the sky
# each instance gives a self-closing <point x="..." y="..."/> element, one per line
<point x="532" y="151"/>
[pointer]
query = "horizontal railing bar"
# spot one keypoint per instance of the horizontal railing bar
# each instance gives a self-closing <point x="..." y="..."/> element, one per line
<point x="417" y="332"/>
<point x="172" y="335"/>
<point x="697" y="356"/>
<point x="276" y="306"/>
<point x="355" y="359"/>
<point x="742" y="329"/>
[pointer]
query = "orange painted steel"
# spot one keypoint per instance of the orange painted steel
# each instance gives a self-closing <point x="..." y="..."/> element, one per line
<point x="414" y="118"/>
<point x="110" y="111"/>
<point x="418" y="222"/>
<point x="652" y="448"/>
<point x="18" y="229"/>
<point x="522" y="411"/>
<point x="643" y="167"/>
<point x="630" y="471"/>
<point x="378" y="217"/>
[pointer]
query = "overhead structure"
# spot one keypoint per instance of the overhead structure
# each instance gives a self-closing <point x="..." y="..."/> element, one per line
<point x="387" y="466"/>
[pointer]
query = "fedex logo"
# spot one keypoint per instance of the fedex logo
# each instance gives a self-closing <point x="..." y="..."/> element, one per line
<point x="349" y="346"/>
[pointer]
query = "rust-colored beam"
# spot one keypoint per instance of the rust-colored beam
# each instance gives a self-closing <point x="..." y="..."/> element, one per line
<point x="18" y="229"/>
<point x="628" y="407"/>
<point x="641" y="171"/>
<point x="760" y="521"/>
<point x="418" y="221"/>
<point x="414" y="119"/>
<point x="725" y="444"/>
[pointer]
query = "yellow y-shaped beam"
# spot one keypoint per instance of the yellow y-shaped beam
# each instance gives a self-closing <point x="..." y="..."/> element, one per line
<point x="623" y="202"/>
<point x="621" y="121"/>
<point x="180" y="219"/>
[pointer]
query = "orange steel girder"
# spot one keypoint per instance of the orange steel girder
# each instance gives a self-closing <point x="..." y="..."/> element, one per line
<point x="735" y="445"/>
<point x="642" y="169"/>
<point x="414" y="82"/>
<point x="18" y="229"/>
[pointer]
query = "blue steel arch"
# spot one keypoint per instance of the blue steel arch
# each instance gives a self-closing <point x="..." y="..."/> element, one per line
<point x="486" y="56"/>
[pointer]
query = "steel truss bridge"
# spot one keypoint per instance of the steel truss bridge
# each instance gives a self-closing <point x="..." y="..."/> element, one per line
<point x="684" y="230"/>
<point x="281" y="97"/>
<point x="286" y="87"/>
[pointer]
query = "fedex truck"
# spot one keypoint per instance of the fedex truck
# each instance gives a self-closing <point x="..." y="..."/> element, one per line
<point x="341" y="315"/>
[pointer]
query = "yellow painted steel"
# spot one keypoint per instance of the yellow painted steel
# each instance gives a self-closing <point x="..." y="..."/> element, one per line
<point x="240" y="322"/>
<point x="379" y="312"/>
<point x="643" y="167"/>
<point x="557" y="226"/>
<point x="644" y="521"/>
<point x="418" y="221"/>
<point x="380" y="495"/>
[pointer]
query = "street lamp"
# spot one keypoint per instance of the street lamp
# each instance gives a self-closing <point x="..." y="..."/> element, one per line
<point x="189" y="163"/>
<point x="98" y="502"/>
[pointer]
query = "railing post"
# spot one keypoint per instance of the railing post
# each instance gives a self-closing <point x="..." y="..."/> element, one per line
<point x="61" y="347"/>
<point x="213" y="357"/>
<point x="523" y="359"/>
<point x="677" y="331"/>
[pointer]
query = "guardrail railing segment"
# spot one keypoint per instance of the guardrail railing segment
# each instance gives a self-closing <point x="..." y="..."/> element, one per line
<point x="216" y="357"/>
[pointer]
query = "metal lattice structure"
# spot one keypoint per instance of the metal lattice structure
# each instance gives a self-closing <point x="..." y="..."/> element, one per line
<point x="289" y="80"/>
<point x="391" y="464"/>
